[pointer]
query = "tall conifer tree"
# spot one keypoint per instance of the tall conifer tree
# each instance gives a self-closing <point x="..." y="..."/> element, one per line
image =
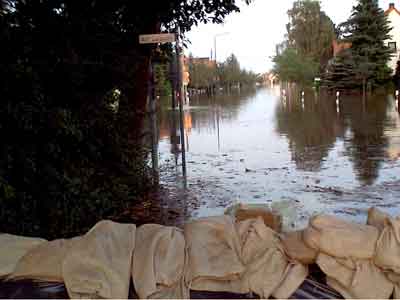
<point x="367" y="30"/>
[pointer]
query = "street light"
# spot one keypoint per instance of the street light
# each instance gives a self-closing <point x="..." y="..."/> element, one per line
<point x="215" y="44"/>
<point x="215" y="49"/>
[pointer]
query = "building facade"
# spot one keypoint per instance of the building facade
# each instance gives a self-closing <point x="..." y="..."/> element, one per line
<point x="394" y="43"/>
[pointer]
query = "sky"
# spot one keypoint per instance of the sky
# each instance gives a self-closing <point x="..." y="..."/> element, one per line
<point x="253" y="33"/>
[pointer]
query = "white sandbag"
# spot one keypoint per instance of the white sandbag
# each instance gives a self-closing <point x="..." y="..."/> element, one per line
<point x="12" y="249"/>
<point x="44" y="262"/>
<point x="214" y="252"/>
<point x="99" y="264"/>
<point x="159" y="262"/>
<point x="340" y="238"/>
<point x="242" y="258"/>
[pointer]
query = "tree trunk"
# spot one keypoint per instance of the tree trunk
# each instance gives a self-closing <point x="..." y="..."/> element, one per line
<point x="135" y="104"/>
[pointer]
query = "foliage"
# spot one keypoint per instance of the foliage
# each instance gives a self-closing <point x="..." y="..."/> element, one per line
<point x="293" y="67"/>
<point x="205" y="74"/>
<point x="367" y="29"/>
<point x="73" y="94"/>
<point x="161" y="79"/>
<point x="231" y="74"/>
<point x="310" y="31"/>
<point x="202" y="74"/>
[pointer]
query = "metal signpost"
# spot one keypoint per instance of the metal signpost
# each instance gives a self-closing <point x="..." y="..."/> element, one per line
<point x="161" y="39"/>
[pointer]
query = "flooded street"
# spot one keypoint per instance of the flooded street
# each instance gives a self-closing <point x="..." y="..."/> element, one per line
<point x="302" y="156"/>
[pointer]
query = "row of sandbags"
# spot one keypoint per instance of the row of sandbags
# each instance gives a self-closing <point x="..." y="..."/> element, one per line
<point x="360" y="261"/>
<point x="210" y="254"/>
<point x="217" y="254"/>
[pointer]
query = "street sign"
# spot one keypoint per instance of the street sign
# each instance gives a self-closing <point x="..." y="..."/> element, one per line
<point x="157" y="38"/>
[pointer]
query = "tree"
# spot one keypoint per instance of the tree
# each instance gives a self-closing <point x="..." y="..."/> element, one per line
<point x="310" y="31"/>
<point x="229" y="72"/>
<point x="340" y="73"/>
<point x="68" y="157"/>
<point x="367" y="29"/>
<point x="202" y="74"/>
<point x="292" y="67"/>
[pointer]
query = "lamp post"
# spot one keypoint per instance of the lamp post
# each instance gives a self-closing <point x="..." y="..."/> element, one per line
<point x="215" y="51"/>
<point x="215" y="44"/>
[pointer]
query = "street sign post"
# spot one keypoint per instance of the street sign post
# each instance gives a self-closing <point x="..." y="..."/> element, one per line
<point x="157" y="38"/>
<point x="162" y="38"/>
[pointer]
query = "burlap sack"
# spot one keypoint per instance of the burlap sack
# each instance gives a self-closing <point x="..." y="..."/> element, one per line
<point x="242" y="259"/>
<point x="159" y="263"/>
<point x="395" y="279"/>
<point x="44" y="262"/>
<point x="12" y="249"/>
<point x="295" y="275"/>
<point x="341" y="239"/>
<point x="264" y="259"/>
<point x="214" y="252"/>
<point x="387" y="254"/>
<point x="271" y="219"/>
<point x="296" y="249"/>
<point x="355" y="279"/>
<point x="99" y="263"/>
<point x="377" y="218"/>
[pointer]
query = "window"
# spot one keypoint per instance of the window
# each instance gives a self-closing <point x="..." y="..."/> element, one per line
<point x="392" y="46"/>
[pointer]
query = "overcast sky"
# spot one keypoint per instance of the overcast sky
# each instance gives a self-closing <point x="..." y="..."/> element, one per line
<point x="253" y="33"/>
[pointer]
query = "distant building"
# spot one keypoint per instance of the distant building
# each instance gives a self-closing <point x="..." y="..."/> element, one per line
<point x="339" y="46"/>
<point x="203" y="61"/>
<point x="394" y="43"/>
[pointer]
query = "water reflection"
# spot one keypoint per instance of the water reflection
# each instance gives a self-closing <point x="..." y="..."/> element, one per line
<point x="260" y="147"/>
<point x="367" y="144"/>
<point x="311" y="126"/>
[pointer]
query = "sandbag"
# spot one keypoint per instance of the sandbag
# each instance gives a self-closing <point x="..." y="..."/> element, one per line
<point x="359" y="279"/>
<point x="264" y="259"/>
<point x="294" y="277"/>
<point x="244" y="212"/>
<point x="388" y="247"/>
<point x="214" y="252"/>
<point x="395" y="279"/>
<point x="159" y="263"/>
<point x="341" y="239"/>
<point x="44" y="262"/>
<point x="242" y="258"/>
<point x="296" y="249"/>
<point x="377" y="218"/>
<point x="12" y="249"/>
<point x="99" y="263"/>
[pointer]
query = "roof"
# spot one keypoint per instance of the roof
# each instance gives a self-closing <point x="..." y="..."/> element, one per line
<point x="390" y="9"/>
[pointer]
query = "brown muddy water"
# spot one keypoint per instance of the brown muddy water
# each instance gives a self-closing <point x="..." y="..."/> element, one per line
<point x="300" y="156"/>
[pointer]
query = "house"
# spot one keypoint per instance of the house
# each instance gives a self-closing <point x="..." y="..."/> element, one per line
<point x="339" y="46"/>
<point x="394" y="43"/>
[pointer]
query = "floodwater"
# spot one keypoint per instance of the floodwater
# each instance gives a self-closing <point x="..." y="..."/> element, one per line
<point x="303" y="156"/>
